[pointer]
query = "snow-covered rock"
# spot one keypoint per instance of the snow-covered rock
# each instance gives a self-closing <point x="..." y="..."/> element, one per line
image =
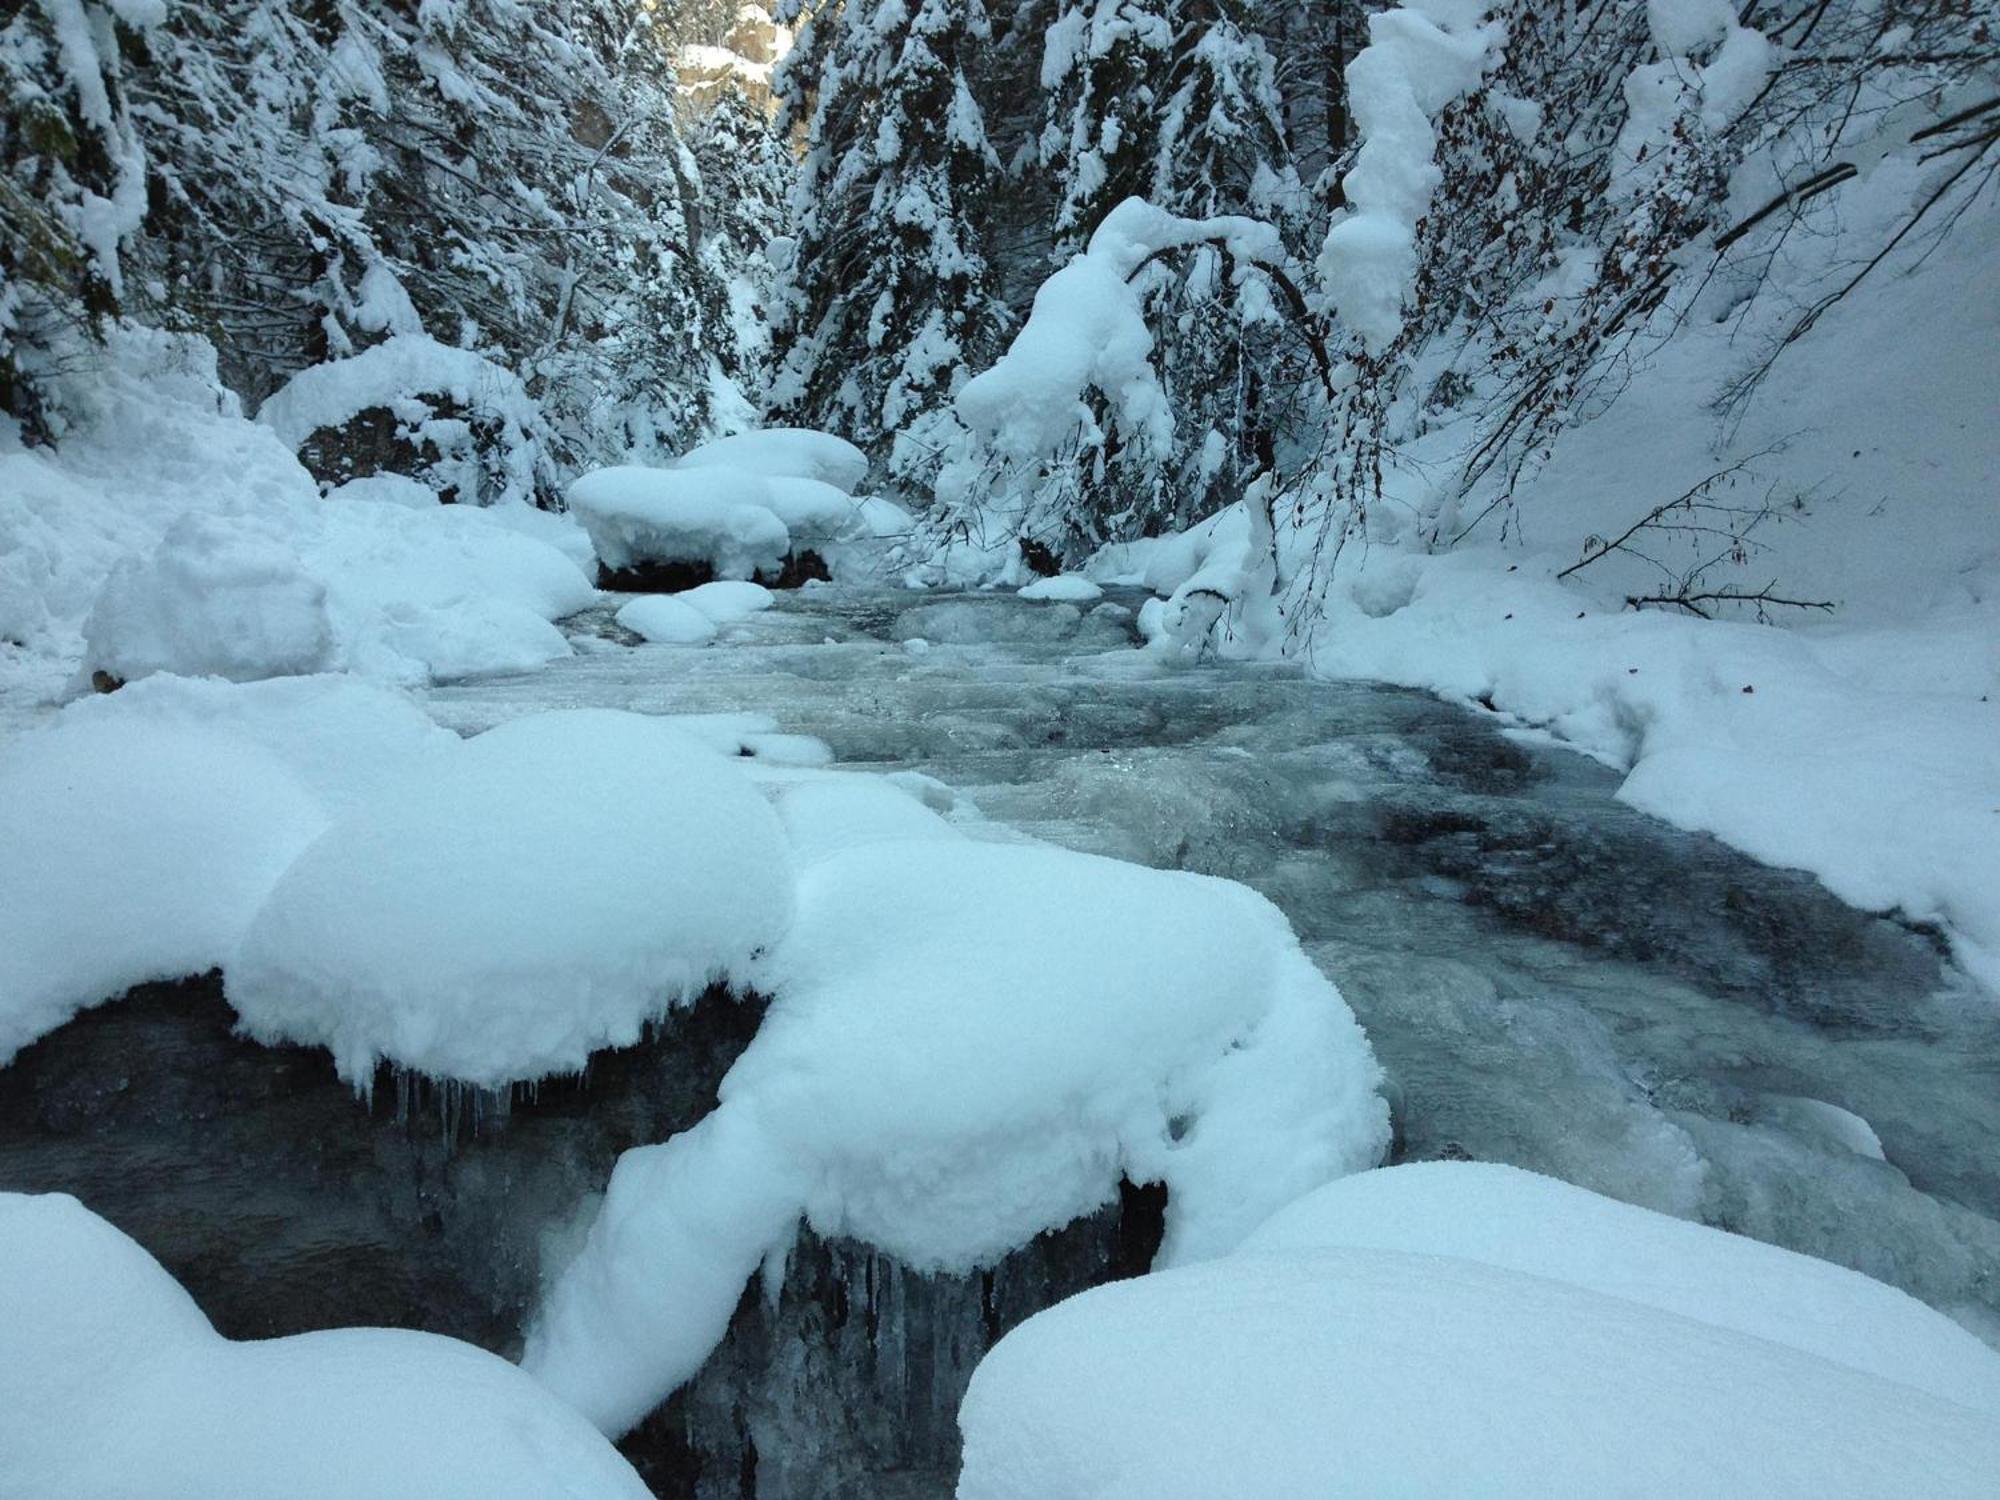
<point x="476" y="433"/>
<point x="140" y="833"/>
<point x="1065" y="588"/>
<point x="970" y="1043"/>
<point x="112" y="1382"/>
<point x="711" y="516"/>
<point x="726" y="602"/>
<point x="549" y="890"/>
<point x="784" y="453"/>
<point x="665" y="620"/>
<point x="126" y="858"/>
<point x="1453" y="1329"/>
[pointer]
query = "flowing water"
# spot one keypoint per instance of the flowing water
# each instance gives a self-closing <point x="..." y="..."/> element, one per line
<point x="1550" y="979"/>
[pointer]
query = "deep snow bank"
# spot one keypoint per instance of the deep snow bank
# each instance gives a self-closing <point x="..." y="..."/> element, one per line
<point x="113" y="1383"/>
<point x="1455" y="1328"/>
<point x="169" y="534"/>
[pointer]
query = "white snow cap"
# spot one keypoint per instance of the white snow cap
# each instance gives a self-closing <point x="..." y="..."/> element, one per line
<point x="104" y="813"/>
<point x="1065" y="588"/>
<point x="715" y="516"/>
<point x="1457" y="1328"/>
<point x="562" y="881"/>
<point x="784" y="453"/>
<point x="970" y="1043"/>
<point x="113" y="1383"/>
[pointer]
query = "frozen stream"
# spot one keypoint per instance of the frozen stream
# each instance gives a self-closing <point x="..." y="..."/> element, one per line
<point x="1550" y="978"/>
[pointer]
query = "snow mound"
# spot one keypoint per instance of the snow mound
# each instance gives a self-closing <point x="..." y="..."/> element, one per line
<point x="712" y="516"/>
<point x="366" y="585"/>
<point x="727" y="602"/>
<point x="217" y="598"/>
<point x="1067" y="588"/>
<point x="784" y="453"/>
<point x="970" y="1043"/>
<point x="1459" y="1357"/>
<point x="112" y="1382"/>
<point x="560" y="883"/>
<point x="1522" y="1221"/>
<point x="665" y="620"/>
<point x="104" y="814"/>
<point x="125" y="859"/>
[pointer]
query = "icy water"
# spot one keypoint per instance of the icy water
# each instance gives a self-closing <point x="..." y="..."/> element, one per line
<point x="1550" y="978"/>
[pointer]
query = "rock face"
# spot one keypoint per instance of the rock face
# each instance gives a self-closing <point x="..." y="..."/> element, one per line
<point x="285" y="1203"/>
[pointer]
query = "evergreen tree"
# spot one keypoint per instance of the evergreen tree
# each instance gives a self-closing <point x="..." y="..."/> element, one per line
<point x="889" y="296"/>
<point x="746" y="174"/>
<point x="1175" y="101"/>
<point x="72" y="185"/>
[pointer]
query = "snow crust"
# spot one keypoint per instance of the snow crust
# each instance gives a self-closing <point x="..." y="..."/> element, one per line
<point x="969" y="1043"/>
<point x="113" y="1383"/>
<point x="1456" y="1328"/>
<point x="560" y="882"/>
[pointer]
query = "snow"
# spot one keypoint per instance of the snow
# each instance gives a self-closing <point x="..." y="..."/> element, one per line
<point x="112" y="1382"/>
<point x="216" y="599"/>
<point x="666" y="619"/>
<point x="127" y="858"/>
<point x="692" y="617"/>
<point x="1065" y="588"/>
<point x="399" y="374"/>
<point x="104" y="813"/>
<point x="709" y="515"/>
<point x="728" y="601"/>
<point x="1420" y="57"/>
<point x="969" y="1043"/>
<point x="1088" y="330"/>
<point x="366" y="585"/>
<point x="784" y="453"/>
<point x="1521" y="1221"/>
<point x="169" y="534"/>
<point x="561" y="882"/>
<point x="1453" y="1328"/>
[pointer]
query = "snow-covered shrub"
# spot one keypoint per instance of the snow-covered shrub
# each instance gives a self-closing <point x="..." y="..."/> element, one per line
<point x="111" y="1378"/>
<point x="409" y="405"/>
